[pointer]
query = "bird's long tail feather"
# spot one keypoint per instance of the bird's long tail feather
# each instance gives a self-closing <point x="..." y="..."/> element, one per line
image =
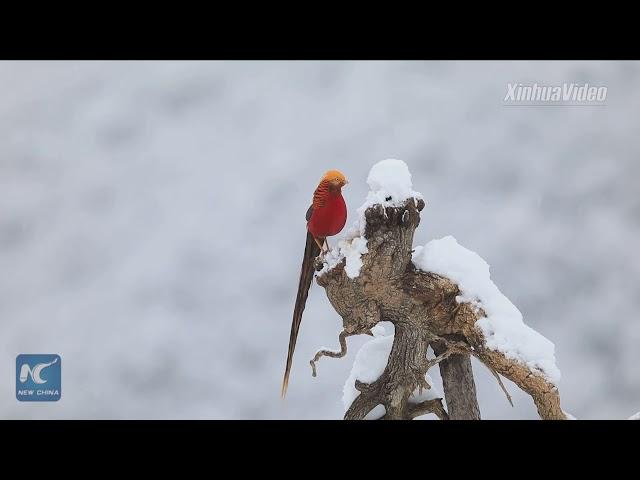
<point x="311" y="251"/>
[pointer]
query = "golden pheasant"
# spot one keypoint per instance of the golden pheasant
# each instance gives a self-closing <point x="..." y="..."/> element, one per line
<point x="325" y="217"/>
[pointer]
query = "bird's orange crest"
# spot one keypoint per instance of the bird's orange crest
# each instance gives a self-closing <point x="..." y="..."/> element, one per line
<point x="335" y="176"/>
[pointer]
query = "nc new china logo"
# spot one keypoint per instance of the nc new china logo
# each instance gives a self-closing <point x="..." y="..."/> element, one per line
<point x="38" y="377"/>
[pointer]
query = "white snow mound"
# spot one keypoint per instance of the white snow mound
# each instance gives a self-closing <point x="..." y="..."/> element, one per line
<point x="389" y="184"/>
<point x="503" y="327"/>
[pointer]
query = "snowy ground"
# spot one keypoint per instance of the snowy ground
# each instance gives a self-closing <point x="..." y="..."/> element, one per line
<point x="152" y="223"/>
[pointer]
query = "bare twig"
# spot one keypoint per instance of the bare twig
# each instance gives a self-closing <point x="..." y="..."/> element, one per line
<point x="342" y="338"/>
<point x="495" y="374"/>
<point x="433" y="362"/>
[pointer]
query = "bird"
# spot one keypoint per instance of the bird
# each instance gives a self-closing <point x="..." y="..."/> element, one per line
<point x="325" y="217"/>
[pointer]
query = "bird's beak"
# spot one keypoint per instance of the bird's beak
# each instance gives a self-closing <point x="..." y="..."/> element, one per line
<point x="345" y="182"/>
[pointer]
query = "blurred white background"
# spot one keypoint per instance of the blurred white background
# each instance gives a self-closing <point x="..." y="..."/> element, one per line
<point x="152" y="223"/>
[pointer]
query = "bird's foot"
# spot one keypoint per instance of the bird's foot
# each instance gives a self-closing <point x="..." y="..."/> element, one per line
<point x="325" y="247"/>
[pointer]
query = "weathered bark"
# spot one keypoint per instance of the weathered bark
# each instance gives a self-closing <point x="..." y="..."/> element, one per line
<point x="423" y="308"/>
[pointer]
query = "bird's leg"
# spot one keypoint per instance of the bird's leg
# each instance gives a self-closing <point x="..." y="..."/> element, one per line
<point x="323" y="244"/>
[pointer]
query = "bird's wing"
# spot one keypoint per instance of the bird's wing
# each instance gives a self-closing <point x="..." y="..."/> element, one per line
<point x="311" y="251"/>
<point x="309" y="213"/>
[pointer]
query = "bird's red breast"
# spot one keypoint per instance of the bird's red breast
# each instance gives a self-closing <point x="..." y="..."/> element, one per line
<point x="329" y="219"/>
<point x="329" y="210"/>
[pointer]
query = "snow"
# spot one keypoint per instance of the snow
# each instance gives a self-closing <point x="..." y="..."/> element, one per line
<point x="569" y="416"/>
<point x="350" y="248"/>
<point x="376" y="413"/>
<point x="635" y="416"/>
<point x="390" y="186"/>
<point x="370" y="363"/>
<point x="503" y="327"/>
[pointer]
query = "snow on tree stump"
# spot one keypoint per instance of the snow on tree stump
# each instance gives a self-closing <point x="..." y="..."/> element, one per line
<point x="375" y="275"/>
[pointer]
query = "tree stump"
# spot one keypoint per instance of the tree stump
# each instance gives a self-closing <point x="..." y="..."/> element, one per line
<point x="424" y="311"/>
